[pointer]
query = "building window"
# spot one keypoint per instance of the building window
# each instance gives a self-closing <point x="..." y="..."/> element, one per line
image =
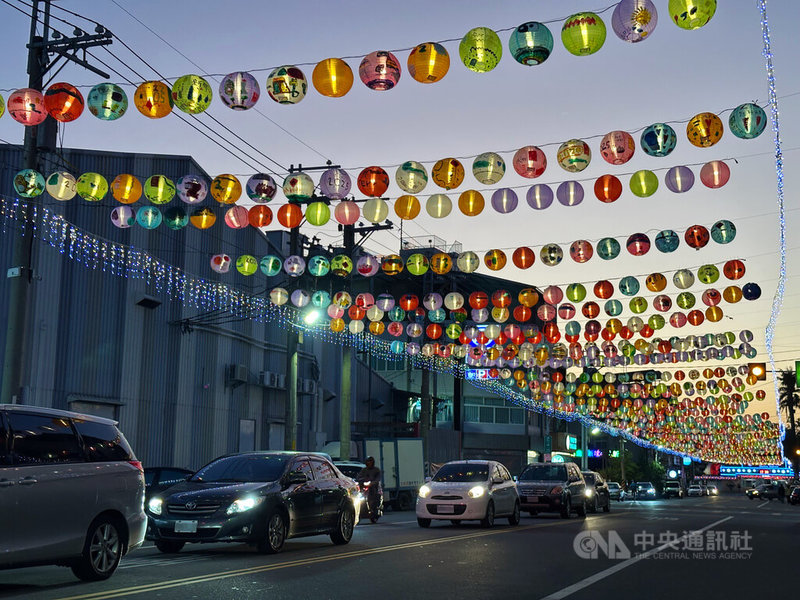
<point x="492" y="410"/>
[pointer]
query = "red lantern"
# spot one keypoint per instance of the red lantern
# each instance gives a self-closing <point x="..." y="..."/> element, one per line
<point x="696" y="317"/>
<point x="409" y="302"/>
<point x="479" y="299"/>
<point x="522" y="313"/>
<point x="501" y="299"/>
<point x="734" y="269"/>
<point x="63" y="102"/>
<point x="603" y="289"/>
<point x="259" y="215"/>
<point x="590" y="310"/>
<point x="356" y="313"/>
<point x="290" y="215"/>
<point x="697" y="236"/>
<point x="433" y="331"/>
<point x="607" y="188"/>
<point x="523" y="257"/>
<point x="373" y="182"/>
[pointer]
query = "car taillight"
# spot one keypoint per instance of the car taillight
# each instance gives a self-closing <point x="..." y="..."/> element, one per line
<point x="137" y="464"/>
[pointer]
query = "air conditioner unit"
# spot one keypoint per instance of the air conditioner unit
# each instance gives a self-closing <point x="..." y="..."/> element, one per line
<point x="268" y="379"/>
<point x="238" y="373"/>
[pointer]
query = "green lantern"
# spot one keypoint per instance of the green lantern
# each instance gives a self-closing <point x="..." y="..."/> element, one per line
<point x="685" y="300"/>
<point x="480" y="50"/>
<point x="608" y="248"/>
<point x="92" y="187"/>
<point x="576" y="292"/>
<point x="708" y="274"/>
<point x="747" y="121"/>
<point x="318" y="213"/>
<point x="644" y="183"/>
<point x="159" y="189"/>
<point x="319" y="266"/>
<point x="246" y="264"/>
<point x="656" y="322"/>
<point x="176" y="218"/>
<point x="191" y="94"/>
<point x="29" y="183"/>
<point x="638" y="305"/>
<point x="691" y="14"/>
<point x="417" y="264"/>
<point x="583" y="33"/>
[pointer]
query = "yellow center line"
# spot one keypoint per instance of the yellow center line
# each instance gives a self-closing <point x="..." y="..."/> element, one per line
<point x="163" y="585"/>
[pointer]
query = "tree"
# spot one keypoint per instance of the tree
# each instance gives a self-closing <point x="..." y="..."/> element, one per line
<point x="789" y="398"/>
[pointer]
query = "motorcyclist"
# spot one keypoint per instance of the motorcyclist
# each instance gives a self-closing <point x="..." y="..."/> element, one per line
<point x="371" y="475"/>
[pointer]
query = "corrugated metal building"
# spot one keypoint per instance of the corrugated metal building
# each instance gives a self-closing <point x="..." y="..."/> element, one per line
<point x="186" y="385"/>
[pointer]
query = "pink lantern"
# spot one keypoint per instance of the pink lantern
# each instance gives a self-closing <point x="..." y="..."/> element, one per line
<point x="715" y="174"/>
<point x="529" y="162"/>
<point x="26" y="106"/>
<point x="380" y="70"/>
<point x="617" y="147"/>
<point x="237" y="217"/>
<point x="553" y="295"/>
<point x="347" y="212"/>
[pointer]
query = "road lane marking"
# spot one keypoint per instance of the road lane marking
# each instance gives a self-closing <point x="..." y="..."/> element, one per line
<point x="584" y="583"/>
<point x="302" y="562"/>
<point x="764" y="504"/>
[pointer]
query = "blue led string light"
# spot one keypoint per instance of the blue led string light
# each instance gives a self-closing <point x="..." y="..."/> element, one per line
<point x="777" y="300"/>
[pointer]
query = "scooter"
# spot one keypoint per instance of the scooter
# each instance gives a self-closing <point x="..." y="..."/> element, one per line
<point x="372" y="505"/>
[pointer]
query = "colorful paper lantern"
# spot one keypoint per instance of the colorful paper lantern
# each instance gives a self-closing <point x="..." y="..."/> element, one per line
<point x="126" y="188"/>
<point x="123" y="217"/>
<point x="617" y="147"/>
<point x="471" y="203"/>
<point x="92" y="187"/>
<point x="570" y="193"/>
<point x="691" y="14"/>
<point x="488" y="168"/>
<point x="715" y="174"/>
<point x="392" y="264"/>
<point x="27" y="106"/>
<point x="368" y="265"/>
<point x="226" y="189"/>
<point x="176" y="218"/>
<point x="574" y="156"/>
<point x="428" y="62"/>
<point x="149" y="217"/>
<point x="375" y="210"/>
<point x="318" y="213"/>
<point x="417" y="264"/>
<point x="380" y="70"/>
<point x="723" y="232"/>
<point x="287" y="85"/>
<point x="531" y="43"/>
<point x="2" y="106"/>
<point x="61" y="186"/>
<point x="439" y="206"/>
<point x="261" y="187"/>
<point x="448" y="173"/>
<point x="628" y="286"/>
<point x="290" y="215"/>
<point x="159" y="189"/>
<point x="341" y="265"/>
<point x="441" y="263"/>
<point x="539" y="196"/>
<point x="407" y="207"/>
<point x="581" y="251"/>
<point x="153" y="99"/>
<point x="551" y="255"/>
<point x="583" y="33"/>
<point x="607" y="188"/>
<point x="347" y="212"/>
<point x="734" y="269"/>
<point x="373" y="182"/>
<point x="480" y="50"/>
<point x="658" y="139"/>
<point x="634" y="20"/>
<point x="529" y="162"/>
<point x="697" y="236"/>
<point x="332" y="77"/>
<point x="603" y="289"/>
<point x="270" y="265"/>
<point x="203" y="218"/>
<point x="523" y="257"/>
<point x="192" y="94"/>
<point x="468" y="262"/>
<point x="679" y="179"/>
<point x="643" y="183"/>
<point x="107" y="101"/>
<point x="495" y="259"/>
<point x="239" y="90"/>
<point x="335" y="183"/>
<point x="607" y="248"/>
<point x="704" y="129"/>
<point x="656" y="282"/>
<point x="298" y="186"/>
<point x="259" y="216"/>
<point x="29" y="183"/>
<point x="504" y="200"/>
<point x="667" y="241"/>
<point x="191" y="189"/>
<point x="319" y="266"/>
<point x="294" y="265"/>
<point x="247" y="265"/>
<point x="63" y="102"/>
<point x="412" y="177"/>
<point x="747" y="121"/>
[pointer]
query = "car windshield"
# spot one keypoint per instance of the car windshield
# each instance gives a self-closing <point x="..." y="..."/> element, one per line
<point x="589" y="477"/>
<point x="695" y="487"/>
<point x="613" y="485"/>
<point x="462" y="472"/>
<point x="242" y="468"/>
<point x="544" y="473"/>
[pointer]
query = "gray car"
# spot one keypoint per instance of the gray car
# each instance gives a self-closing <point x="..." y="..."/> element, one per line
<point x="71" y="491"/>
<point x="552" y="487"/>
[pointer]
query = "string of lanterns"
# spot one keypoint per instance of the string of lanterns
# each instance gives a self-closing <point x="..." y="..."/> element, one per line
<point x="480" y="50"/>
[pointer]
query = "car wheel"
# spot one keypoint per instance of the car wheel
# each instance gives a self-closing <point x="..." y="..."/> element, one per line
<point x="423" y="522"/>
<point x="169" y="546"/>
<point x="581" y="510"/>
<point x="345" y="524"/>
<point x="274" y="536"/>
<point x="607" y="507"/>
<point x="514" y="518"/>
<point x="595" y="507"/>
<point x="102" y="551"/>
<point x="566" y="509"/>
<point x="488" y="520"/>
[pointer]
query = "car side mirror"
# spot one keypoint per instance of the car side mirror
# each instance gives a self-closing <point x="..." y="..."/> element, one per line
<point x="427" y="479"/>
<point x="296" y="477"/>
<point x="497" y="480"/>
<point x="515" y="479"/>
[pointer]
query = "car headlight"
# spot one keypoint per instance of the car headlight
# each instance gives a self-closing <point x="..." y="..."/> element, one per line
<point x="424" y="491"/>
<point x="651" y="491"/>
<point x="589" y="492"/>
<point x="244" y="504"/>
<point x="155" y="505"/>
<point x="477" y="491"/>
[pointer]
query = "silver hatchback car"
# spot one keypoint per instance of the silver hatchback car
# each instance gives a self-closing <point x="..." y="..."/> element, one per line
<point x="71" y="491"/>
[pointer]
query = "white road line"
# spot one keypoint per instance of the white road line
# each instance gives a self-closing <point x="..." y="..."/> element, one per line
<point x="765" y="503"/>
<point x="584" y="583"/>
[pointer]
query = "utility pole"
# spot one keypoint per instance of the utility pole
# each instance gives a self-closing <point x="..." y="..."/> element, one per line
<point x="292" y="335"/>
<point x="20" y="274"/>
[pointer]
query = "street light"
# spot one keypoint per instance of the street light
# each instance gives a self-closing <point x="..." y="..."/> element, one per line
<point x="758" y="370"/>
<point x="595" y="430"/>
<point x="311" y="317"/>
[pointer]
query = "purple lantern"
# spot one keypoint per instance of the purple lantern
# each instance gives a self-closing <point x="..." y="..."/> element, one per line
<point x="634" y="20"/>
<point x="504" y="200"/>
<point x="335" y="183"/>
<point x="679" y="179"/>
<point x="539" y="196"/>
<point x="570" y="193"/>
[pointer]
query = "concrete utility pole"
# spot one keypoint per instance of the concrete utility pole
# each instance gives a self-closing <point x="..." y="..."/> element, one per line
<point x="290" y="428"/>
<point x="425" y="414"/>
<point x="20" y="274"/>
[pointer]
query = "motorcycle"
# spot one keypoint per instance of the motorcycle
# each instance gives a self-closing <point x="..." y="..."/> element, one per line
<point x="372" y="503"/>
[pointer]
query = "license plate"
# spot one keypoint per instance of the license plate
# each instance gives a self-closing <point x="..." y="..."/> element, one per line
<point x="446" y="509"/>
<point x="533" y="499"/>
<point x="185" y="526"/>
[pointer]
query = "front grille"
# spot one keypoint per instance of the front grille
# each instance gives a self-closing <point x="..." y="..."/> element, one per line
<point x="458" y="509"/>
<point x="201" y="510"/>
<point x="202" y="533"/>
<point x="537" y="491"/>
<point x="447" y="498"/>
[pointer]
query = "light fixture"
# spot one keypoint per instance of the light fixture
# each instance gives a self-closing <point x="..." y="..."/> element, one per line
<point x="311" y="317"/>
<point x="595" y="430"/>
<point x="758" y="370"/>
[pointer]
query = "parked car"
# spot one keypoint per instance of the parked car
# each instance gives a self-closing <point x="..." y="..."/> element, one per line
<point x="260" y="498"/>
<point x="713" y="490"/>
<point x="552" y="487"/>
<point x="672" y="489"/>
<point x="72" y="491"/>
<point x="614" y="490"/>
<point x="469" y="490"/>
<point x="694" y="490"/>
<point x="794" y="495"/>
<point x="645" y="491"/>
<point x="157" y="479"/>
<point x="597" y="492"/>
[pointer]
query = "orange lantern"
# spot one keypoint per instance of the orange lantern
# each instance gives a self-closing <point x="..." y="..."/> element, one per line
<point x="607" y="188"/>
<point x="259" y="215"/>
<point x="471" y="203"/>
<point x="290" y="215"/>
<point x="373" y="182"/>
<point x="407" y="207"/>
<point x="63" y="102"/>
<point x="523" y="257"/>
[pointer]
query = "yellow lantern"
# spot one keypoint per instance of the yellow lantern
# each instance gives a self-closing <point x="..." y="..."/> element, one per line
<point x="332" y="77"/>
<point x="471" y="203"/>
<point x="126" y="188"/>
<point x="495" y="259"/>
<point x="153" y="99"/>
<point x="377" y="328"/>
<point x="226" y="189"/>
<point x="428" y="62"/>
<point x="448" y="173"/>
<point x="337" y="325"/>
<point x="203" y="218"/>
<point x="704" y="130"/>
<point x="439" y="206"/>
<point x="407" y="207"/>
<point x="441" y="263"/>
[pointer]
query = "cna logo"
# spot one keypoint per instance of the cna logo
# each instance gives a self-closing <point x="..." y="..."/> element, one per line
<point x="589" y="545"/>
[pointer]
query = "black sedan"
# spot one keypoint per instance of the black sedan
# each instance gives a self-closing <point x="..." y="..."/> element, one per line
<point x="597" y="493"/>
<point x="260" y="498"/>
<point x="158" y="479"/>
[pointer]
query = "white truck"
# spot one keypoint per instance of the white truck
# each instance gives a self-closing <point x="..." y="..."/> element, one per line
<point x="400" y="461"/>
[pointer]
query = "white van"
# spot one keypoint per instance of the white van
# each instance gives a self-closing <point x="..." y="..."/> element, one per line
<point x="71" y="491"/>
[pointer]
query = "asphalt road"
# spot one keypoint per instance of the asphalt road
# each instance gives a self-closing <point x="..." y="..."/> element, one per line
<point x="718" y="547"/>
